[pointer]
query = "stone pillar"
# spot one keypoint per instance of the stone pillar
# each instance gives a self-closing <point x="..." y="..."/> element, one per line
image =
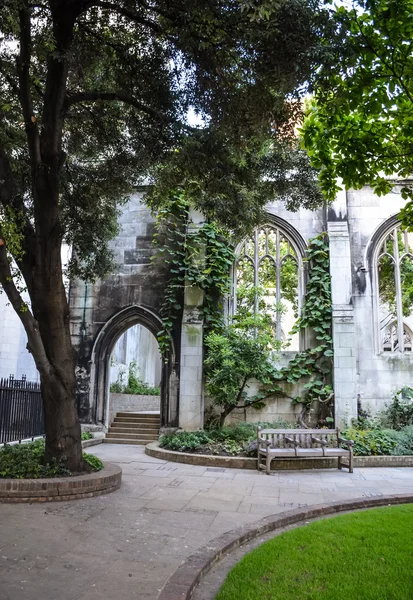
<point x="344" y="341"/>
<point x="191" y="392"/>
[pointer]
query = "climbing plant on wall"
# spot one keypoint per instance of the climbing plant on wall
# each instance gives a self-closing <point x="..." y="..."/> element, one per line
<point x="201" y="258"/>
<point x="315" y="363"/>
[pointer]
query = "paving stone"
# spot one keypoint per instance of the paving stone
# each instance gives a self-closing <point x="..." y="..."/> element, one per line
<point x="126" y="544"/>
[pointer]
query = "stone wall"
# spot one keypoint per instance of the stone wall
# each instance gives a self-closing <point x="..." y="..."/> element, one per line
<point x="379" y="374"/>
<point x="103" y="311"/>
<point x="132" y="403"/>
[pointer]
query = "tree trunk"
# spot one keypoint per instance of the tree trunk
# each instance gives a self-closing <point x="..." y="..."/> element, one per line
<point x="57" y="376"/>
<point x="228" y="409"/>
<point x="62" y="427"/>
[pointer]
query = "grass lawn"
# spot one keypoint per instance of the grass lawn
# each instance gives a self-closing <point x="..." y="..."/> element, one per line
<point x="365" y="555"/>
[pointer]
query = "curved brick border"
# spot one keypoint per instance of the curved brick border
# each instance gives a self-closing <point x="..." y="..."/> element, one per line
<point x="205" y="460"/>
<point x="62" y="488"/>
<point x="242" y="462"/>
<point x="183" y="582"/>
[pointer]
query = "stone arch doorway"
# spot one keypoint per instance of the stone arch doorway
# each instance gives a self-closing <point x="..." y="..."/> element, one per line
<point x="100" y="368"/>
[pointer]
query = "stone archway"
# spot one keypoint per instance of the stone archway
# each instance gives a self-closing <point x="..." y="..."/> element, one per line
<point x="100" y="369"/>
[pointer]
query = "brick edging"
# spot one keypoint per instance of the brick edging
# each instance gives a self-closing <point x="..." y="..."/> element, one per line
<point x="242" y="462"/>
<point x="236" y="462"/>
<point x="62" y="488"/>
<point x="91" y="442"/>
<point x="183" y="582"/>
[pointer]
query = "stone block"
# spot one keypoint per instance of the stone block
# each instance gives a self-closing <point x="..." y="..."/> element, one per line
<point x="345" y="362"/>
<point x="189" y="374"/>
<point x="343" y="327"/>
<point x="344" y="375"/>
<point x="343" y="352"/>
<point x="190" y="361"/>
<point x="344" y="340"/>
<point x="191" y="350"/>
<point x="192" y="388"/>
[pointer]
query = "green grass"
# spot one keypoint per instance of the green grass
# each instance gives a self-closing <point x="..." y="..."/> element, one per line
<point x="360" y="556"/>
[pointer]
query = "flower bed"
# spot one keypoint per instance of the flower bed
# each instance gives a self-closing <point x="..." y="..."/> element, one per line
<point x="26" y="461"/>
<point x="240" y="441"/>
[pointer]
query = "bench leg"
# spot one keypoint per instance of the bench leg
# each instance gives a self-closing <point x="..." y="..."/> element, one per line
<point x="340" y="466"/>
<point x="350" y="461"/>
<point x="268" y="464"/>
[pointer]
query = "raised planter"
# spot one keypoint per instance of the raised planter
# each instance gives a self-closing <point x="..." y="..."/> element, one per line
<point x="283" y="464"/>
<point x="62" y="488"/>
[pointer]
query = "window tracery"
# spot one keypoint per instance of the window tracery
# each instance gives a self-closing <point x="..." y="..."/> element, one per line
<point x="394" y="291"/>
<point x="268" y="279"/>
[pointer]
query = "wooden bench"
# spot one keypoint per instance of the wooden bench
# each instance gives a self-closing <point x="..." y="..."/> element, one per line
<point x="303" y="443"/>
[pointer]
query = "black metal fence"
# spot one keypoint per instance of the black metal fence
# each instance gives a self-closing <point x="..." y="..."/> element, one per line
<point x="21" y="410"/>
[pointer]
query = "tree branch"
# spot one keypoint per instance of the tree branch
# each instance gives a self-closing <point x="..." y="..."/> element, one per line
<point x="23" y="64"/>
<point x="113" y="97"/>
<point x="35" y="344"/>
<point x="10" y="198"/>
<point x="120" y="10"/>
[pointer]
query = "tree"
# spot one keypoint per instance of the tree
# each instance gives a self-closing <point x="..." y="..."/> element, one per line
<point x="360" y="125"/>
<point x="237" y="353"/>
<point x="93" y="94"/>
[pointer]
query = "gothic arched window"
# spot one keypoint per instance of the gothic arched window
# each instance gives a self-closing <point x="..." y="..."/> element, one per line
<point x="268" y="278"/>
<point x="394" y="290"/>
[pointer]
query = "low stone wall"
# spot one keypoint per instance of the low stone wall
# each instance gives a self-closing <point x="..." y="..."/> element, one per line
<point x="92" y="442"/>
<point x="131" y="403"/>
<point x="62" y="488"/>
<point x="282" y="464"/>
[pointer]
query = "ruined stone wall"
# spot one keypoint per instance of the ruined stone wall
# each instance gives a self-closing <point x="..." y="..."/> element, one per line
<point x="136" y="281"/>
<point x="378" y="374"/>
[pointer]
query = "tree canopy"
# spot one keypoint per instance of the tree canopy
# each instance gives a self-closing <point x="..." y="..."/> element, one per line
<point x="359" y="127"/>
<point x="94" y="97"/>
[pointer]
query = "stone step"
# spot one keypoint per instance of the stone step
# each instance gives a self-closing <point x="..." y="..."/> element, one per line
<point x="135" y="435"/>
<point x="133" y="425"/>
<point x="144" y="415"/>
<point x="125" y="441"/>
<point x="135" y="420"/>
<point x="122" y="428"/>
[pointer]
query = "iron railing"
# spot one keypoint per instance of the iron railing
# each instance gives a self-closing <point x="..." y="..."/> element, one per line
<point x="21" y="410"/>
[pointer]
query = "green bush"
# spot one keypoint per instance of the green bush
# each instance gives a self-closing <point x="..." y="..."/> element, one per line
<point x="371" y="442"/>
<point x="134" y="385"/>
<point x="23" y="461"/>
<point x="399" y="413"/>
<point x="220" y="440"/>
<point x="403" y="440"/>
<point x="87" y="435"/>
<point x="185" y="440"/>
<point x="93" y="461"/>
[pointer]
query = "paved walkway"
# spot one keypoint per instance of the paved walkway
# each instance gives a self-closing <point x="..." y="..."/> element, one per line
<point x="125" y="545"/>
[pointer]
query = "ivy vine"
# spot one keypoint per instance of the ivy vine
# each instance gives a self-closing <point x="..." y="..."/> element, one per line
<point x="314" y="364"/>
<point x="201" y="258"/>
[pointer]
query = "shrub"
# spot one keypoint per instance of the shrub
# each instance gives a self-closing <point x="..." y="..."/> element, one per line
<point x="403" y="440"/>
<point x="371" y="442"/>
<point x="22" y="461"/>
<point x="134" y="385"/>
<point x="93" y="461"/>
<point x="399" y="413"/>
<point x="185" y="440"/>
<point x="224" y="440"/>
<point x="87" y="435"/>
